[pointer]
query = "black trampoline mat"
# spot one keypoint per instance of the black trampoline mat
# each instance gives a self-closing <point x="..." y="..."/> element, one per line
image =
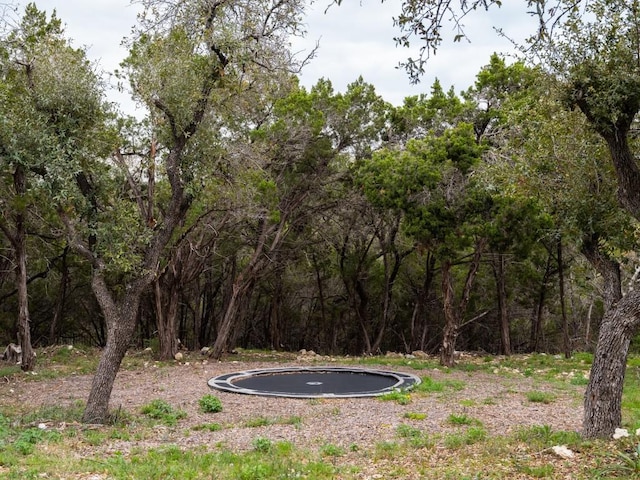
<point x="314" y="382"/>
<point x="321" y="382"/>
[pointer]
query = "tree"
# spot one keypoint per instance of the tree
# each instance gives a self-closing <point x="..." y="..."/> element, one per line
<point x="190" y="62"/>
<point x="443" y="208"/>
<point x="50" y="108"/>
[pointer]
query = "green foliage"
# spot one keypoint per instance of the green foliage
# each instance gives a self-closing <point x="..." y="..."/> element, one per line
<point x="210" y="404"/>
<point x="161" y="410"/>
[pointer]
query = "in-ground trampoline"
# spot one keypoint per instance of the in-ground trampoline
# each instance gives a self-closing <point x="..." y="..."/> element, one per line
<point x="314" y="382"/>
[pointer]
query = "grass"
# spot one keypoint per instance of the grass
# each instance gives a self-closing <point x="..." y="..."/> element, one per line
<point x="536" y="396"/>
<point x="262" y="421"/>
<point x="163" y="412"/>
<point x="43" y="442"/>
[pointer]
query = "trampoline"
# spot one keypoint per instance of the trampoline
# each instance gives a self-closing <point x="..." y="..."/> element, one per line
<point x="314" y="382"/>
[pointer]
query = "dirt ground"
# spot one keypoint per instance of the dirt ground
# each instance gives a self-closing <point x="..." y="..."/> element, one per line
<point x="498" y="401"/>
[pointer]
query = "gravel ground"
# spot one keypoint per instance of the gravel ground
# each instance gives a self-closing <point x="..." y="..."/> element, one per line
<point x="498" y="401"/>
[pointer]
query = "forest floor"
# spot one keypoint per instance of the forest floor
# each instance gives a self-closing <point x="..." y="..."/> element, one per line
<point x="489" y="417"/>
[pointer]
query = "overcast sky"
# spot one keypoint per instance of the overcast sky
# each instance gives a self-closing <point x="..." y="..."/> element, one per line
<point x="355" y="39"/>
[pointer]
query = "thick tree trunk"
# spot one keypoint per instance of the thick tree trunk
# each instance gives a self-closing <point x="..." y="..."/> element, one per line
<point x="603" y="398"/>
<point x="121" y="319"/>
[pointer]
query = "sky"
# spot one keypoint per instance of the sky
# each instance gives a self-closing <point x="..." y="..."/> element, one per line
<point x="355" y="39"/>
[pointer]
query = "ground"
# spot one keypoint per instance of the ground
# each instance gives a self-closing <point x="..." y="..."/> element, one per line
<point x="498" y="401"/>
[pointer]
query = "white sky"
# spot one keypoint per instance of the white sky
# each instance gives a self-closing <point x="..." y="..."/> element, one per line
<point x="355" y="39"/>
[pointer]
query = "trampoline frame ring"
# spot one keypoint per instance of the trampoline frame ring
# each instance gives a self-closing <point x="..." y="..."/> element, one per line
<point x="404" y="381"/>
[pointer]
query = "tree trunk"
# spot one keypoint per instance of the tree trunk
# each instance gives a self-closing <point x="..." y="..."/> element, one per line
<point x="20" y="247"/>
<point x="62" y="297"/>
<point x="231" y="312"/>
<point x="501" y="291"/>
<point x="166" y="314"/>
<point x="566" y="341"/>
<point x="536" y="321"/>
<point x="603" y="398"/>
<point x="453" y="313"/>
<point x="451" y="321"/>
<point x="121" y="319"/>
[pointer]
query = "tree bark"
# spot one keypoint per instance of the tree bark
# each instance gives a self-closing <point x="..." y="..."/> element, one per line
<point x="166" y="314"/>
<point x="603" y="398"/>
<point x="451" y="321"/>
<point x="19" y="241"/>
<point x="501" y="290"/>
<point x="453" y="313"/>
<point x="566" y="341"/>
<point x="121" y="321"/>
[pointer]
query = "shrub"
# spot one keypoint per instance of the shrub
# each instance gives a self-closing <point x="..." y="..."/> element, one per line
<point x="210" y="404"/>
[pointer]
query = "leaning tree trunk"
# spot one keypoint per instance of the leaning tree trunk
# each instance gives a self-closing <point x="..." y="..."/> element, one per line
<point x="121" y="319"/>
<point x="603" y="398"/>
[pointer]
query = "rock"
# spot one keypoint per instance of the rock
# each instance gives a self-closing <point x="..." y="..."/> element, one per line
<point x="13" y="353"/>
<point x="204" y="350"/>
<point x="419" y="354"/>
<point x="178" y="356"/>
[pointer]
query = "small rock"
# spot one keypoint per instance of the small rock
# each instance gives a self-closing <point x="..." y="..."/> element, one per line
<point x="178" y="356"/>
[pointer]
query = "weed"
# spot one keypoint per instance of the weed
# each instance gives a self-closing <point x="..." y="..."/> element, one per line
<point x="398" y="396"/>
<point x="407" y="431"/>
<point x="257" y="422"/>
<point x="386" y="449"/>
<point x="261" y="444"/>
<point x="459" y="439"/>
<point x="210" y="404"/>
<point x="161" y="410"/>
<point x="210" y="427"/>
<point x="265" y="421"/>
<point x="415" y="415"/>
<point x="331" y="450"/>
<point x="462" y="419"/>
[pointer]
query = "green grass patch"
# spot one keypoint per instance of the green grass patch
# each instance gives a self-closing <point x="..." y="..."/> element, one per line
<point x="398" y="396"/>
<point x="536" y="396"/>
<point x="262" y="421"/>
<point x="162" y="411"/>
<point x="209" y="427"/>
<point x="462" y="419"/>
<point x="415" y="415"/>
<point x="429" y="385"/>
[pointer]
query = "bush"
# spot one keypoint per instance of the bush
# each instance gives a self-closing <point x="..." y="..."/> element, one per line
<point x="210" y="404"/>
